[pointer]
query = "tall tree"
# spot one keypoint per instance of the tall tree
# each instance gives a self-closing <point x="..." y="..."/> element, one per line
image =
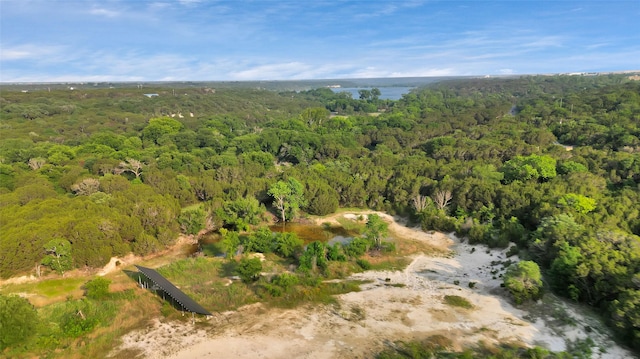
<point x="288" y="198"/>
<point x="376" y="230"/>
<point x="58" y="255"/>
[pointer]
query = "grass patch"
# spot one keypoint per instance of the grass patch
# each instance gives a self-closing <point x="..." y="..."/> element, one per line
<point x="85" y="328"/>
<point x="457" y="301"/>
<point x="201" y="279"/>
<point x="310" y="290"/>
<point x="351" y="226"/>
<point x="438" y="346"/>
<point x="56" y="289"/>
<point x="389" y="263"/>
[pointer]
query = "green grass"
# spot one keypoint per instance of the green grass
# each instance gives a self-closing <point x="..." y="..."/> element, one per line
<point x="67" y="327"/>
<point x="49" y="287"/>
<point x="308" y="292"/>
<point x="391" y="264"/>
<point x="351" y="226"/>
<point x="204" y="280"/>
<point x="457" y="301"/>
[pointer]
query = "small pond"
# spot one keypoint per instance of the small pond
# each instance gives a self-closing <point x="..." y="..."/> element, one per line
<point x="311" y="232"/>
<point x="210" y="243"/>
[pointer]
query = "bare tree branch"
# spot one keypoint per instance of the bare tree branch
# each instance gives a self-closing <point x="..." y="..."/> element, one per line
<point x="130" y="165"/>
<point x="420" y="202"/>
<point x="442" y="198"/>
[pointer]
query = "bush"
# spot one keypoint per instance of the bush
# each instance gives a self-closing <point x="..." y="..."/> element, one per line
<point x="272" y="289"/>
<point x="435" y="220"/>
<point x="287" y="244"/>
<point x="74" y="324"/>
<point x="97" y="288"/>
<point x="249" y="269"/>
<point x="457" y="301"/>
<point x="285" y="280"/>
<point x="314" y="257"/>
<point x="261" y="241"/>
<point x="513" y="250"/>
<point x="357" y="247"/>
<point x="524" y="281"/>
<point x="364" y="264"/>
<point x="334" y="253"/>
<point x="479" y="233"/>
<point x="18" y="320"/>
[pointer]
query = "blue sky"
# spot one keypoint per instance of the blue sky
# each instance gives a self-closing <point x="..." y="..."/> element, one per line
<point x="208" y="40"/>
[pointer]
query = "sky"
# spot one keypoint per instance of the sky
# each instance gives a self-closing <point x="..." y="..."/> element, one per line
<point x="235" y="40"/>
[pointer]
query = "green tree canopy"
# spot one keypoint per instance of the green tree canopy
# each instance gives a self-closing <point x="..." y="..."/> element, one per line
<point x="18" y="320"/>
<point x="376" y="230"/>
<point x="524" y="168"/>
<point x="288" y="198"/>
<point x="58" y="256"/>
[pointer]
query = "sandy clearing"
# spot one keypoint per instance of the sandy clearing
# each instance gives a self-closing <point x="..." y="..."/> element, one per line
<point x="400" y="305"/>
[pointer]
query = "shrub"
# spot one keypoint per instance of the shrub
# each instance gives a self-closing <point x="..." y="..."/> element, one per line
<point x="479" y="233"/>
<point x="18" y="320"/>
<point x="524" y="281"/>
<point x="357" y="247"/>
<point x="261" y="241"/>
<point x="513" y="250"/>
<point x="287" y="244"/>
<point x="364" y="264"/>
<point x="314" y="257"/>
<point x="285" y="280"/>
<point x="249" y="269"/>
<point x="334" y="253"/>
<point x="457" y="301"/>
<point x="97" y="288"/>
<point x="74" y="324"/>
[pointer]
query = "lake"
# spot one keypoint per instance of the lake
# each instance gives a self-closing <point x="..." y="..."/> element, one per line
<point x="386" y="93"/>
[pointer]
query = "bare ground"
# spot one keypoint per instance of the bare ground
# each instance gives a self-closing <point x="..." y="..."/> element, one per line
<point x="399" y="305"/>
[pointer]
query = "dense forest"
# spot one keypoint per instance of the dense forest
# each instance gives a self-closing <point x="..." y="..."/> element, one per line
<point x="550" y="163"/>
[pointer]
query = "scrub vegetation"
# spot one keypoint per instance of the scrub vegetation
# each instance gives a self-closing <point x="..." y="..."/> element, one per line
<point x="549" y="164"/>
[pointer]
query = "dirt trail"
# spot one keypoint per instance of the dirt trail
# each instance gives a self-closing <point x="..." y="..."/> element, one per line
<point x="395" y="305"/>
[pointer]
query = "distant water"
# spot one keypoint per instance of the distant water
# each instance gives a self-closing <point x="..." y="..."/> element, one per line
<point x="386" y="93"/>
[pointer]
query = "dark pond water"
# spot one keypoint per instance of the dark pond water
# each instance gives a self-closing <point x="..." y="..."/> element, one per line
<point x="311" y="232"/>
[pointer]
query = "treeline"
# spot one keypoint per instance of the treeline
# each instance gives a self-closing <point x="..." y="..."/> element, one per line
<point x="113" y="171"/>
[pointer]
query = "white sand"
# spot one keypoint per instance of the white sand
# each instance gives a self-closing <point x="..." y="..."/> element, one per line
<point x="402" y="305"/>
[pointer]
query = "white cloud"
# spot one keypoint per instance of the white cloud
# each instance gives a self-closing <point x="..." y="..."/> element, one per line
<point x="189" y="2"/>
<point x="30" y="52"/>
<point x="104" y="12"/>
<point x="286" y="70"/>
